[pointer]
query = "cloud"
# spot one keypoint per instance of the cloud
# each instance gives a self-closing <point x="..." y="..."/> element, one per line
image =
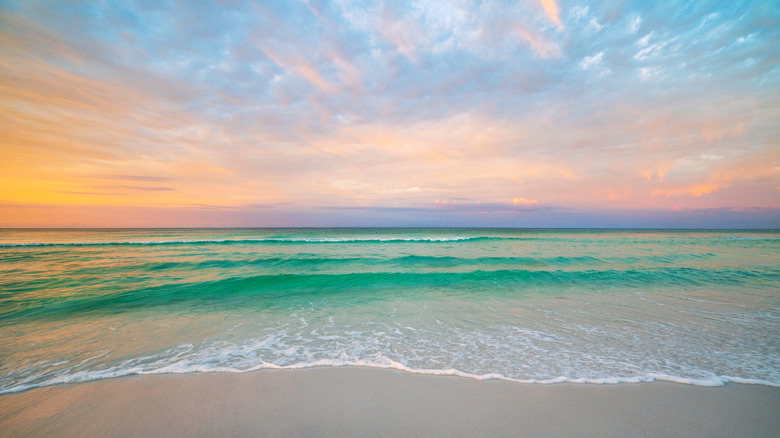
<point x="651" y="50"/>
<point x="644" y="41"/>
<point x="402" y="33"/>
<point x="292" y="61"/>
<point x="636" y="23"/>
<point x="123" y="187"/>
<point x="594" y="63"/>
<point x="551" y="8"/>
<point x="135" y="178"/>
<point x="91" y="193"/>
<point x="695" y="190"/>
<point x="541" y="46"/>
<point x="591" y="61"/>
<point x="650" y="73"/>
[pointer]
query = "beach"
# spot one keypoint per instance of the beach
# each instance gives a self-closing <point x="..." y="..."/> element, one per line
<point x="352" y="219"/>
<point x="358" y="401"/>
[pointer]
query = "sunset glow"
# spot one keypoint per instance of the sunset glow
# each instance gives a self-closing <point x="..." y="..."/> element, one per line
<point x="307" y="113"/>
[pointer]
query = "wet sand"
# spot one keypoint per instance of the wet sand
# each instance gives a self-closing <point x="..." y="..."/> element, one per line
<point x="355" y="401"/>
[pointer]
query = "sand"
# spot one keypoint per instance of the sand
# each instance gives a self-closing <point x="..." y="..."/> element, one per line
<point x="354" y="401"/>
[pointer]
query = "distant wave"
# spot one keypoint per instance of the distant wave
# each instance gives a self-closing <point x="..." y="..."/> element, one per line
<point x="748" y="238"/>
<point x="339" y="240"/>
<point x="414" y="261"/>
<point x="257" y="241"/>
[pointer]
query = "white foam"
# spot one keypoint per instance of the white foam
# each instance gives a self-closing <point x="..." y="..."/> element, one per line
<point x="185" y="367"/>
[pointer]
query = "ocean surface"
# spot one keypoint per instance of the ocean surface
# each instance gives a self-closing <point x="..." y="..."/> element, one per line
<point x="528" y="305"/>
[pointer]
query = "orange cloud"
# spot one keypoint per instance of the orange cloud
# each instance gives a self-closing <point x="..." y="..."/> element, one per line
<point x="524" y="201"/>
<point x="716" y="130"/>
<point x="299" y="67"/>
<point x="696" y="190"/>
<point x="726" y="174"/>
<point x="542" y="47"/>
<point x="351" y="75"/>
<point x="660" y="174"/>
<point x="615" y="194"/>
<point x="551" y="7"/>
<point x="401" y="33"/>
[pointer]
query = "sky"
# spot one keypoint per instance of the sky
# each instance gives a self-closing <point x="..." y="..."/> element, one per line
<point x="537" y="113"/>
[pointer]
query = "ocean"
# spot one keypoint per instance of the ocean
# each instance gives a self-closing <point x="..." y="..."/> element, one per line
<point x="538" y="306"/>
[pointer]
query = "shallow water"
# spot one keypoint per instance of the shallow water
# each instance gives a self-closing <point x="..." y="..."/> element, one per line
<point x="601" y="306"/>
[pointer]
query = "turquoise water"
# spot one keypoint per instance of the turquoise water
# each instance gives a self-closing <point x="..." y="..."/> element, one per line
<point x="537" y="306"/>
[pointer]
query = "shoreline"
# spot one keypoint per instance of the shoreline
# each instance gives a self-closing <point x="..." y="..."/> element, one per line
<point x="360" y="401"/>
<point x="712" y="382"/>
